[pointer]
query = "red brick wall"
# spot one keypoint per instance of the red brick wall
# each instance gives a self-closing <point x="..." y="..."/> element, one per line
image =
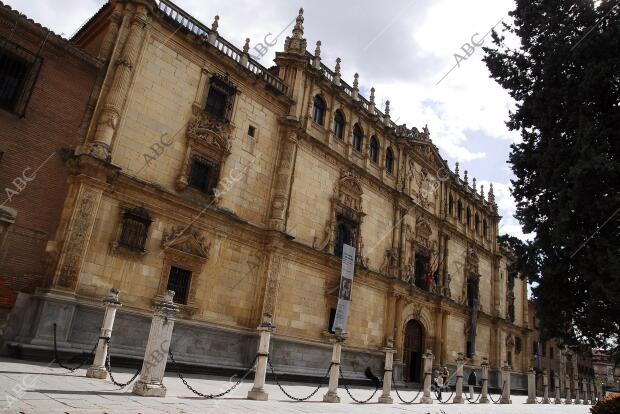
<point x="52" y="122"/>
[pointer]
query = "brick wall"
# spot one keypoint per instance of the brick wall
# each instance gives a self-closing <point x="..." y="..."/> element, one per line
<point x="52" y="122"/>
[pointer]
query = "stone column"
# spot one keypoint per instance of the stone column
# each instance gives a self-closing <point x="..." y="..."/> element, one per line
<point x="97" y="370"/>
<point x="531" y="386"/>
<point x="334" y="372"/>
<point x="428" y="367"/>
<point x="545" y="388"/>
<point x="586" y="394"/>
<point x="567" y="397"/>
<point x="576" y="388"/>
<point x="484" y="398"/>
<point x="258" y="391"/>
<point x="506" y="384"/>
<point x="151" y="383"/>
<point x="458" y="394"/>
<point x="557" y="398"/>
<point x="284" y="174"/>
<point x="389" y="350"/>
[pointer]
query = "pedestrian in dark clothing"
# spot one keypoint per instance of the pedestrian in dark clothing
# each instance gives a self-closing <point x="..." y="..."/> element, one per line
<point x="471" y="381"/>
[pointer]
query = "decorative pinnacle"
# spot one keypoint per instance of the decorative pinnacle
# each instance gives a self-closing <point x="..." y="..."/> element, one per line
<point x="317" y="51"/>
<point x="387" y="108"/>
<point x="246" y="47"/>
<point x="298" y="30"/>
<point x="456" y="169"/>
<point x="337" y="69"/>
<point x="372" y="95"/>
<point x="491" y="196"/>
<point x="356" y="81"/>
<point x="474" y="184"/>
<point x="482" y="191"/>
<point x="465" y="178"/>
<point x="215" y="23"/>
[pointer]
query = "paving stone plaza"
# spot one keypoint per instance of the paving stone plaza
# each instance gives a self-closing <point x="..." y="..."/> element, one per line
<point x="29" y="387"/>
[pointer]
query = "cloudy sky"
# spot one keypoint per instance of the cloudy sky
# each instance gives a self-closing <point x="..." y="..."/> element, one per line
<point x="401" y="47"/>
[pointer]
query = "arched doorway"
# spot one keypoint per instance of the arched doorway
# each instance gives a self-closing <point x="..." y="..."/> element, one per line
<point x="412" y="351"/>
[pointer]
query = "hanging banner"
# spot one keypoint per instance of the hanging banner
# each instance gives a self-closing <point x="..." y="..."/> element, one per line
<point x="346" y="288"/>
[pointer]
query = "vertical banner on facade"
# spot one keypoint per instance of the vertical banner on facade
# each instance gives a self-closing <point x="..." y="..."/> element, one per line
<point x="346" y="287"/>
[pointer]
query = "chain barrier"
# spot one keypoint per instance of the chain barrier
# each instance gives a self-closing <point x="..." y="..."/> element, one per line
<point x="398" y="394"/>
<point x="447" y="400"/>
<point x="499" y="399"/>
<point x="351" y="395"/>
<point x="210" y="396"/>
<point x="473" y="400"/>
<point x="275" y="377"/>
<point x="84" y="357"/>
<point x="108" y="367"/>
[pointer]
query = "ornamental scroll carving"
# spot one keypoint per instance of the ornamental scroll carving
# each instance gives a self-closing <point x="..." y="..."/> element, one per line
<point x="77" y="238"/>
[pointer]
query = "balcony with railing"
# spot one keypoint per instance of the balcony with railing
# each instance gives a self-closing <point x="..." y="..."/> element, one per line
<point x="182" y="19"/>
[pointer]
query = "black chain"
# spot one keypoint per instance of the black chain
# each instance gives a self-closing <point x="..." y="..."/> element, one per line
<point x="275" y="377"/>
<point x="447" y="400"/>
<point x="351" y="395"/>
<point x="84" y="357"/>
<point x="473" y="400"/>
<point x="398" y="394"/>
<point x="500" y="396"/>
<point x="108" y="368"/>
<point x="210" y="396"/>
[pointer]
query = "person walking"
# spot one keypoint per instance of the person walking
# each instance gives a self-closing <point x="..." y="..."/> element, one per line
<point x="439" y="383"/>
<point x="445" y="374"/>
<point x="471" y="381"/>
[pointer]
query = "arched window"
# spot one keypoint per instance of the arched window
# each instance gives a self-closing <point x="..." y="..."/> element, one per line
<point x="373" y="149"/>
<point x="318" y="111"/>
<point x="468" y="217"/>
<point x="358" y="137"/>
<point x="459" y="210"/>
<point x="450" y="205"/>
<point x="477" y="223"/>
<point x="389" y="160"/>
<point x="339" y="124"/>
<point x="485" y="228"/>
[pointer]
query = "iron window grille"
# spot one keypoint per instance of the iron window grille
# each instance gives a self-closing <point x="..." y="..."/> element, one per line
<point x="220" y="100"/>
<point x="178" y="281"/>
<point x="19" y="70"/>
<point x="134" y="229"/>
<point x="204" y="175"/>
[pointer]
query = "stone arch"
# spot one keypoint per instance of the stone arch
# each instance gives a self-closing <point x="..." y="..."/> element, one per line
<point x="414" y="313"/>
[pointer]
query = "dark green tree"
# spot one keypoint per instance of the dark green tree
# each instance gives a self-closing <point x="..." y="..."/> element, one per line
<point x="564" y="75"/>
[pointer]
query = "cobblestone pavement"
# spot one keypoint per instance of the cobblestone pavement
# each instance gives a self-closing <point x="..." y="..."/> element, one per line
<point x="29" y="387"/>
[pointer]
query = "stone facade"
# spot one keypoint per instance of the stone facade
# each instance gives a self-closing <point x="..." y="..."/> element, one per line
<point x="304" y="163"/>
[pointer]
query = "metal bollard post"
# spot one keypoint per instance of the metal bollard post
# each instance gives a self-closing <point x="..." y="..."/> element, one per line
<point x="151" y="379"/>
<point x="484" y="398"/>
<point x="531" y="386"/>
<point x="545" y="388"/>
<point x="458" y="394"/>
<point x="389" y="350"/>
<point x="334" y="372"/>
<point x="97" y="369"/>
<point x="428" y="367"/>
<point x="506" y="384"/>
<point x="258" y="390"/>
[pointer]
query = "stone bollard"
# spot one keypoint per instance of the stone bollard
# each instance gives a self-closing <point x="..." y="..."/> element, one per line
<point x="586" y="394"/>
<point x="567" y="397"/>
<point x="151" y="379"/>
<point x="331" y="395"/>
<point x="576" y="388"/>
<point x="557" y="398"/>
<point x="545" y="388"/>
<point x="389" y="350"/>
<point x="458" y="393"/>
<point x="428" y="372"/>
<point x="531" y="387"/>
<point x="484" y="398"/>
<point x="97" y="370"/>
<point x="258" y="390"/>
<point x="506" y="384"/>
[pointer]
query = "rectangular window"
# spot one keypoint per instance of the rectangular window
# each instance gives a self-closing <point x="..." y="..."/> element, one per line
<point x="134" y="229"/>
<point x="332" y="317"/>
<point x="216" y="103"/>
<point x="18" y="71"/>
<point x="204" y="175"/>
<point x="178" y="282"/>
<point x="251" y="131"/>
